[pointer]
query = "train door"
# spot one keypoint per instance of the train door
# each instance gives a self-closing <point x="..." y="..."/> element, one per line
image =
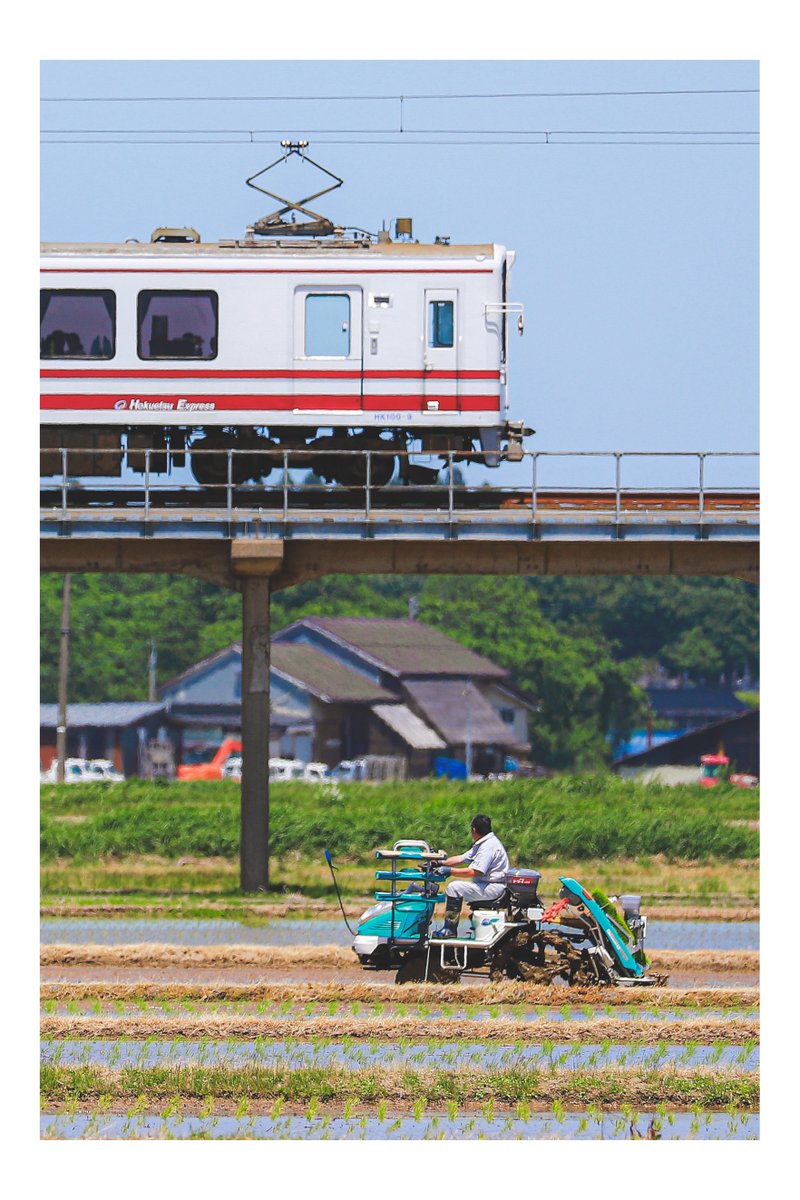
<point x="328" y="353"/>
<point x="441" y="345"/>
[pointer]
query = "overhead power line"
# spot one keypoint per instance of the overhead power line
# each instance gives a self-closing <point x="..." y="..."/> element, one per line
<point x="404" y="132"/>
<point x="397" y="96"/>
<point x="400" y="141"/>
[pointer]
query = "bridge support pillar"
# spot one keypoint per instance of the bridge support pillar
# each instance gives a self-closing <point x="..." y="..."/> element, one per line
<point x="254" y="852"/>
<point x="255" y="563"/>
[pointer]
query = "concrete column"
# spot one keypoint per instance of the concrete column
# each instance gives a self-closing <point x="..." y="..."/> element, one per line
<point x="254" y="861"/>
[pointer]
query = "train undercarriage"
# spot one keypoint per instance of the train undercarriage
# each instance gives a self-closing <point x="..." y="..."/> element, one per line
<point x="218" y="456"/>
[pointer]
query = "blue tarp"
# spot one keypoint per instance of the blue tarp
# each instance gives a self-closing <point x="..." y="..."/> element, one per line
<point x="637" y="743"/>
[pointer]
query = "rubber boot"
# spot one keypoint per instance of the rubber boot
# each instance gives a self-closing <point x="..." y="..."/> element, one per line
<point x="451" y="914"/>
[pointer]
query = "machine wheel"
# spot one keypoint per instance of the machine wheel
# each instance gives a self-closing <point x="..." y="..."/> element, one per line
<point x="412" y="970"/>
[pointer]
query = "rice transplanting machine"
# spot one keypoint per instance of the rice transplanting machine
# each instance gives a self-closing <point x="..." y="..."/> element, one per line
<point x="579" y="939"/>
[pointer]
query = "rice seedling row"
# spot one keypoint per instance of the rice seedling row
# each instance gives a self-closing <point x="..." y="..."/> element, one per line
<point x="484" y="1015"/>
<point x="608" y="1087"/>
<point x="588" y="1125"/>
<point x="356" y="1055"/>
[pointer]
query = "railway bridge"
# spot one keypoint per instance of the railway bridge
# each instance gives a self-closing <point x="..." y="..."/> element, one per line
<point x="263" y="538"/>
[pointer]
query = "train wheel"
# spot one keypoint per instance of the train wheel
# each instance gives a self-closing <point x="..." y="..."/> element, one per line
<point x="352" y="472"/>
<point x="209" y="462"/>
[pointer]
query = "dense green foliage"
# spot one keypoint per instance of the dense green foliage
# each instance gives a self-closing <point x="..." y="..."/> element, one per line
<point x="574" y="817"/>
<point x="703" y="627"/>
<point x="573" y="645"/>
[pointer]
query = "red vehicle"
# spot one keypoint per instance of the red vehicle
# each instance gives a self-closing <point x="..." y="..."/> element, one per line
<point x="210" y="766"/>
<point x="713" y="772"/>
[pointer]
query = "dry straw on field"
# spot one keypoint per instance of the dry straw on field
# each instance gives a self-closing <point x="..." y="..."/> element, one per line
<point x="506" y="992"/>
<point x="149" y="954"/>
<point x="394" y="1028"/>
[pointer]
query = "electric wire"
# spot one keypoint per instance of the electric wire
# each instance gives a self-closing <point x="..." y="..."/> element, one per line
<point x="397" y="96"/>
<point x="386" y="142"/>
<point x="465" y="132"/>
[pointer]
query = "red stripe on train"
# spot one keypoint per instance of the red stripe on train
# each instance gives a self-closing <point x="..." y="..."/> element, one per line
<point x="264" y="404"/>
<point x="102" y="373"/>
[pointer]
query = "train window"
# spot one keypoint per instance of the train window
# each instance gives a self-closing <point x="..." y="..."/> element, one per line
<point x="76" y="323"/>
<point x="177" y="324"/>
<point x="327" y="326"/>
<point x="440" y="323"/>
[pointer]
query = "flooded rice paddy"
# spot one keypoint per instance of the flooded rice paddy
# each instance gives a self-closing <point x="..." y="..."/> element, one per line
<point x="454" y="1055"/>
<point x="112" y="931"/>
<point x="608" y="1126"/>
<point x="311" y="1011"/>
<point x="336" y="1053"/>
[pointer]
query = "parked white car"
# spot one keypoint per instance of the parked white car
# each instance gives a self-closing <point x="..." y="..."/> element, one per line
<point x="103" y="769"/>
<point x="232" y="767"/>
<point x="316" y="772"/>
<point x="280" y="770"/>
<point x="83" y="770"/>
<point x="348" y="770"/>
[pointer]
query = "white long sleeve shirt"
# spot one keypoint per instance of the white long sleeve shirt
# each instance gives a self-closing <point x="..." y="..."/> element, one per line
<point x="488" y="857"/>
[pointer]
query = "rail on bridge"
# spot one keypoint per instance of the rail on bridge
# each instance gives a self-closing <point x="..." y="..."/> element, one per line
<point x="433" y="521"/>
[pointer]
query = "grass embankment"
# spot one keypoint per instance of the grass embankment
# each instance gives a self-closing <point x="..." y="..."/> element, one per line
<point x="607" y="1087"/>
<point x="575" y="817"/>
<point x="147" y="838"/>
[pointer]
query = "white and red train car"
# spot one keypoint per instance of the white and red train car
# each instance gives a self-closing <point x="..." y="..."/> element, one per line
<point x="177" y="346"/>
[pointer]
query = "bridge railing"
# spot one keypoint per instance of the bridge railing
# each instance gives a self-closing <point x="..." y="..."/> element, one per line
<point x="687" y="480"/>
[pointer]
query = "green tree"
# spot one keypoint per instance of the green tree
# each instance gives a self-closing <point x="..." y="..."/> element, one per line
<point x="694" y="655"/>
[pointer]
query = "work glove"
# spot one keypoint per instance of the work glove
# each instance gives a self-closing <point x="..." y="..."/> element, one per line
<point x="442" y="873"/>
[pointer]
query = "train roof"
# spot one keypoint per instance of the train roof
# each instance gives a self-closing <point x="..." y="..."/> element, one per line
<point x="248" y="248"/>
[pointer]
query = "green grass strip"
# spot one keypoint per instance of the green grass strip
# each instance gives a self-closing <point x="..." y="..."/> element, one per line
<point x="330" y="1084"/>
<point x="584" y="816"/>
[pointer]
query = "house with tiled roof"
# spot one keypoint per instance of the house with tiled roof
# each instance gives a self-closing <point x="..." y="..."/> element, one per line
<point x="346" y="687"/>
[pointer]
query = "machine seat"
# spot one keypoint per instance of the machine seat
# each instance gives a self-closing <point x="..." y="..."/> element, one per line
<point x="499" y="902"/>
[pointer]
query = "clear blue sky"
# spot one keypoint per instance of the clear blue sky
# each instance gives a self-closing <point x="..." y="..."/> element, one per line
<point x="637" y="264"/>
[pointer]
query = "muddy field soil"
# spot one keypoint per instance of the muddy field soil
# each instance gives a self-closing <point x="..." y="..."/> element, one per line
<point x="215" y="977"/>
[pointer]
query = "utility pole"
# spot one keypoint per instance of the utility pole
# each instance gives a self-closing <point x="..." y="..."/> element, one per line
<point x="63" y="671"/>
<point x="468" y="747"/>
<point x="152" y="663"/>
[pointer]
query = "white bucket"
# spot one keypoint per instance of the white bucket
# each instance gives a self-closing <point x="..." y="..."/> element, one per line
<point x="487" y="925"/>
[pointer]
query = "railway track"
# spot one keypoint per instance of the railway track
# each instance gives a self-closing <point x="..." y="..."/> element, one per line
<point x="391" y="498"/>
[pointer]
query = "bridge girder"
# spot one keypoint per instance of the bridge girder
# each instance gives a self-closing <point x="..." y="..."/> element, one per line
<point x="289" y="562"/>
